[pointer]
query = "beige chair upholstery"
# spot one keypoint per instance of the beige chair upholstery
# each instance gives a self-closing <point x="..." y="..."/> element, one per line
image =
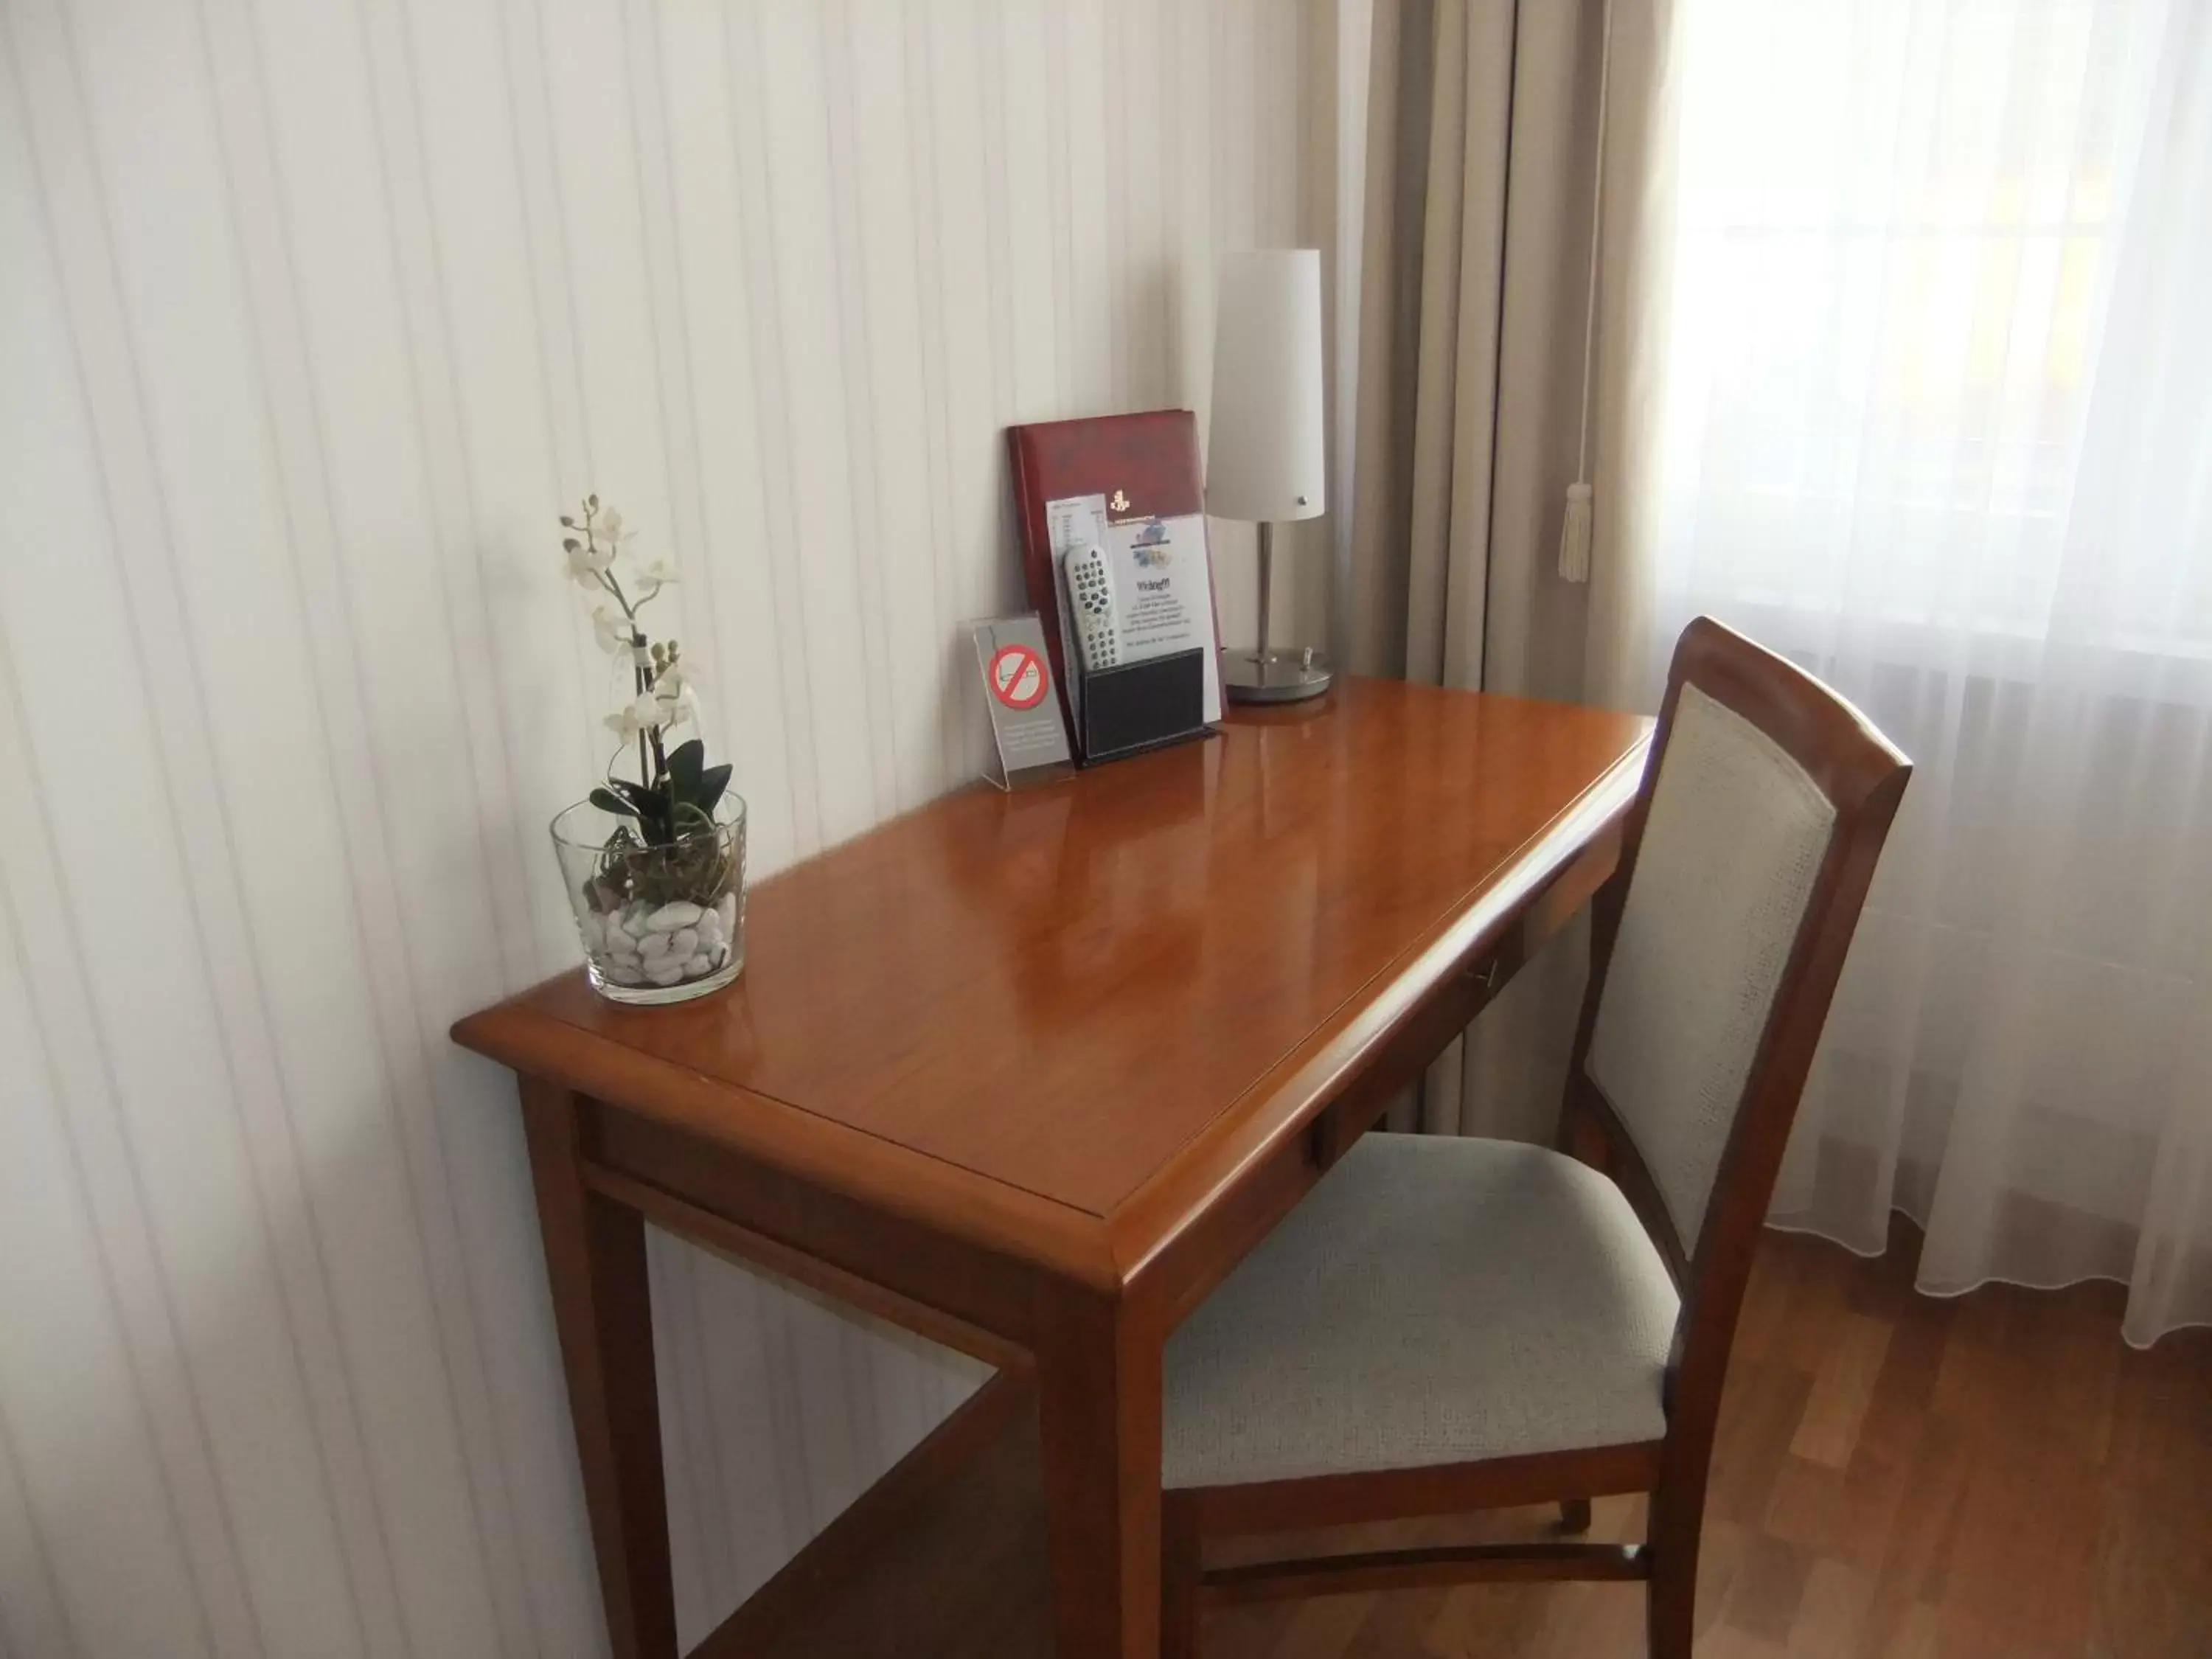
<point x="1431" y="1301"/>
<point x="1735" y="838"/>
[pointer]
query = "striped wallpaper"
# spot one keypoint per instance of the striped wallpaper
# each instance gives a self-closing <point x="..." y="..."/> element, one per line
<point x="313" y="315"/>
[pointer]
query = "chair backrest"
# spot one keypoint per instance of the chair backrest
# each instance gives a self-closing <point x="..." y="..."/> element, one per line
<point x="1715" y="951"/>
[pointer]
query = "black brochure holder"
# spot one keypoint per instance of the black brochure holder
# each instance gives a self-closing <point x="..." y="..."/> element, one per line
<point x="1144" y="705"/>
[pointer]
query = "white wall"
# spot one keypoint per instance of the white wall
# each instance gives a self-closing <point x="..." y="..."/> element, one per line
<point x="313" y="315"/>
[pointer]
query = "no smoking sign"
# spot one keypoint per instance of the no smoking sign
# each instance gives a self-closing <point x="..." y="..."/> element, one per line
<point x="1016" y="677"/>
<point x="1028" y="737"/>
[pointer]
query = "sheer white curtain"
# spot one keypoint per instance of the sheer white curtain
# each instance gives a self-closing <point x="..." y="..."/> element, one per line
<point x="1938" y="396"/>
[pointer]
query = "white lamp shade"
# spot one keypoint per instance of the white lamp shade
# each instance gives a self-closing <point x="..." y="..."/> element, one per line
<point x="1264" y="457"/>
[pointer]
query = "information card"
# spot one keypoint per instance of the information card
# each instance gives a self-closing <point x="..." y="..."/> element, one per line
<point x="1162" y="585"/>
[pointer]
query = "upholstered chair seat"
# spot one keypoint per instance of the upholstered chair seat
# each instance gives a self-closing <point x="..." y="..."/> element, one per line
<point x="1432" y="1301"/>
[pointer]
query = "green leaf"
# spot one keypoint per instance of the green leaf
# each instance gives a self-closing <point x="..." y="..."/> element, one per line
<point x="684" y="763"/>
<point x="607" y="801"/>
<point x="712" y="783"/>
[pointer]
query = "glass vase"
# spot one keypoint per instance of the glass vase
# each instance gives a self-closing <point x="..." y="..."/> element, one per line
<point x="659" y="924"/>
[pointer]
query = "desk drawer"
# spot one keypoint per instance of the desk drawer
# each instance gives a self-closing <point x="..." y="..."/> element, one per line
<point x="1446" y="1013"/>
<point x="1408" y="1054"/>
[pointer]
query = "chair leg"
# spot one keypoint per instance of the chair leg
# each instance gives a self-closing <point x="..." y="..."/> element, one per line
<point x="1182" y="1570"/>
<point x="1670" y="1610"/>
<point x="1675" y="1532"/>
<point x="1574" y="1516"/>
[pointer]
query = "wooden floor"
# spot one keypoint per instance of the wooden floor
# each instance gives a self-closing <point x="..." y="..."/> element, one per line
<point x="1996" y="1475"/>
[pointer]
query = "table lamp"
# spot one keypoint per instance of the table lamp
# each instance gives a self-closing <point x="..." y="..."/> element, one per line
<point x="1265" y="460"/>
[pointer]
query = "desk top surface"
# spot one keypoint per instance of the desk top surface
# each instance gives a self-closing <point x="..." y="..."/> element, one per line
<point x="1058" y="990"/>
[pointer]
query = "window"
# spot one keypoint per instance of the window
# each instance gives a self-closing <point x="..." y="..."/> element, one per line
<point x="1902" y="231"/>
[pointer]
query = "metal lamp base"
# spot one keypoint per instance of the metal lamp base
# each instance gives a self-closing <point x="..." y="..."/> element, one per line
<point x="1265" y="675"/>
<point x="1275" y="675"/>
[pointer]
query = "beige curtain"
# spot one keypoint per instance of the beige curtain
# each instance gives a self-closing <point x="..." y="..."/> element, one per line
<point x="1482" y="146"/>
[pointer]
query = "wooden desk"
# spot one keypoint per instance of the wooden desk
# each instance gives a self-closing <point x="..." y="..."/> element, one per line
<point x="1029" y="1074"/>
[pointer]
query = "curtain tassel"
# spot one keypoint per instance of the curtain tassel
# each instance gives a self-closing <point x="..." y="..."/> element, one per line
<point x="1576" y="529"/>
<point x="1574" y="534"/>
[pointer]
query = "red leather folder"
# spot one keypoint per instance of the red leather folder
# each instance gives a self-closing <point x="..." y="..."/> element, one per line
<point x="1146" y="466"/>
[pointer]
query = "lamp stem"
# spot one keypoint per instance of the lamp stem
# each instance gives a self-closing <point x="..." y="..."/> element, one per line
<point x="1266" y="589"/>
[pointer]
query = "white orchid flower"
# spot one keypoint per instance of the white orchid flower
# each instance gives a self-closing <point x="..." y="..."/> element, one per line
<point x="614" y="631"/>
<point x="679" y="710"/>
<point x="607" y="526"/>
<point x="586" y="563"/>
<point x="673" y="691"/>
<point x="647" y="714"/>
<point x="654" y="577"/>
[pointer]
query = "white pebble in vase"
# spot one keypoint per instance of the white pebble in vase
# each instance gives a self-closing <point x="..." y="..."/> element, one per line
<point x="698" y="965"/>
<point x="725" y="910"/>
<point x="684" y="942"/>
<point x="669" y="917"/>
<point x="664" y="970"/>
<point x="653" y="946"/>
<point x="710" y="929"/>
<point x="621" y="973"/>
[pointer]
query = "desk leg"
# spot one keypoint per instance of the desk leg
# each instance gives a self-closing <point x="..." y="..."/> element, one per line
<point x="1098" y="1407"/>
<point x="595" y="1259"/>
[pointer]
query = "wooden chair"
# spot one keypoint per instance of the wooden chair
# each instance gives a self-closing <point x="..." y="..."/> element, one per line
<point x="1448" y="1325"/>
